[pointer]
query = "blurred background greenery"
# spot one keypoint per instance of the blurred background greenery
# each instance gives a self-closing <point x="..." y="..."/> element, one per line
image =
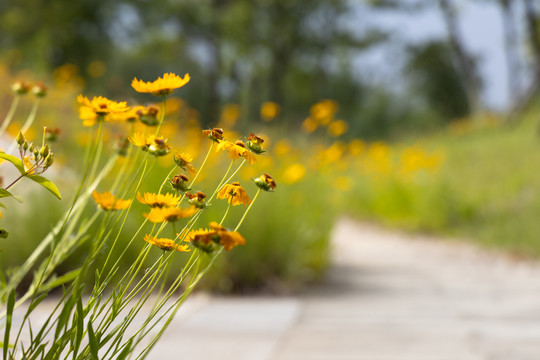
<point x="422" y="151"/>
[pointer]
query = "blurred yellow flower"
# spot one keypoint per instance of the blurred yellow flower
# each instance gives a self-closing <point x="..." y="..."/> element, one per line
<point x="107" y="201"/>
<point x="96" y="69"/>
<point x="98" y="106"/>
<point x="237" y="150"/>
<point x="165" y="244"/>
<point x="229" y="115"/>
<point x="282" y="148"/>
<point x="356" y="147"/>
<point x="159" y="215"/>
<point x="293" y="173"/>
<point x="158" y="200"/>
<point x="309" y="125"/>
<point x="337" y="128"/>
<point x="269" y="110"/>
<point x="161" y="86"/>
<point x="323" y="112"/>
<point x="235" y="193"/>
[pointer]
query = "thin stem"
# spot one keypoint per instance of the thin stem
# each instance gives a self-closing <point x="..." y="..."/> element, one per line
<point x="164" y="101"/>
<point x="10" y="114"/>
<point x="247" y="210"/>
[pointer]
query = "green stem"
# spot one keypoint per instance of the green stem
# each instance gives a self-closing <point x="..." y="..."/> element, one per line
<point x="163" y="97"/>
<point x="247" y="210"/>
<point x="10" y="114"/>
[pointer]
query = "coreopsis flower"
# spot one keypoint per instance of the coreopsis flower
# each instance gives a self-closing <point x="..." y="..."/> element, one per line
<point x="236" y="150"/>
<point x="197" y="199"/>
<point x="216" y="134"/>
<point x="180" y="182"/>
<point x="204" y="239"/>
<point x="269" y="110"/>
<point x="98" y="108"/>
<point x="19" y="87"/>
<point x="154" y="145"/>
<point x="128" y="116"/>
<point x="165" y="244"/>
<point x="184" y="160"/>
<point x="158" y="200"/>
<point x="148" y="115"/>
<point x="265" y="182"/>
<point x="171" y="214"/>
<point x="235" y="194"/>
<point x="254" y="143"/>
<point x="229" y="239"/>
<point x="162" y="86"/>
<point x="107" y="201"/>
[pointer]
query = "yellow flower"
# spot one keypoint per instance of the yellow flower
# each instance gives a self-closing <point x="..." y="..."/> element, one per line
<point x="99" y="106"/>
<point x="293" y="173"/>
<point x="254" y="143"/>
<point x="165" y="244"/>
<point x="337" y="128"/>
<point x="269" y="110"/>
<point x="236" y="150"/>
<point x="154" y="145"/>
<point x="309" y="125"/>
<point x="184" y="160"/>
<point x="161" y="86"/>
<point x="140" y="140"/>
<point x="158" y="200"/>
<point x="130" y="116"/>
<point x="229" y="115"/>
<point x="323" y="111"/>
<point x="108" y="201"/>
<point x="235" y="193"/>
<point x="159" y="215"/>
<point x="195" y="235"/>
<point x="229" y="239"/>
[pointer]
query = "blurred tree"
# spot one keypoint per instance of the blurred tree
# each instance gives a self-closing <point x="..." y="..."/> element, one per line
<point x="46" y="34"/>
<point x="437" y="80"/>
<point x="465" y="62"/>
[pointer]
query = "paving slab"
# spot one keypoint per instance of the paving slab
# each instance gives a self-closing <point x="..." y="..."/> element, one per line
<point x="388" y="296"/>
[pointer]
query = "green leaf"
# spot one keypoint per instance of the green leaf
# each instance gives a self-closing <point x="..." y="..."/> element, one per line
<point x="125" y="352"/>
<point x="92" y="340"/>
<point x="35" y="303"/>
<point x="4" y="193"/>
<point x="79" y="327"/>
<point x="61" y="280"/>
<point x="14" y="160"/>
<point x="9" y="316"/>
<point x="47" y="184"/>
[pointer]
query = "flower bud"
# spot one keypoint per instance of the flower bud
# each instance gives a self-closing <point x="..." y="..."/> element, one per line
<point x="19" y="87"/>
<point x="216" y="134"/>
<point x="254" y="143"/>
<point x="49" y="160"/>
<point x="44" y="151"/>
<point x="265" y="182"/>
<point x="149" y="115"/>
<point x="25" y="146"/>
<point x="180" y="183"/>
<point x="39" y="90"/>
<point x="51" y="134"/>
<point x="197" y="199"/>
<point x="121" y="146"/>
<point x="159" y="147"/>
<point x="20" y="138"/>
<point x="3" y="233"/>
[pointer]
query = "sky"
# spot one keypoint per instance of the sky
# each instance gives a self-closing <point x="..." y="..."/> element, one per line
<point x="480" y="26"/>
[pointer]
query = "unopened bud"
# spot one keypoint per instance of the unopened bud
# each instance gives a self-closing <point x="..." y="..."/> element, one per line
<point x="39" y="90"/>
<point x="20" y="138"/>
<point x="44" y="151"/>
<point x="3" y="233"/>
<point x="19" y="87"/>
<point x="265" y="182"/>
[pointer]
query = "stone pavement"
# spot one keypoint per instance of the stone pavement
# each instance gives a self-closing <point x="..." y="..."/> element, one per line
<point x="389" y="296"/>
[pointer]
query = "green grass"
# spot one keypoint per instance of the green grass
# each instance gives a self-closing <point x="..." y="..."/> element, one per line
<point x="488" y="190"/>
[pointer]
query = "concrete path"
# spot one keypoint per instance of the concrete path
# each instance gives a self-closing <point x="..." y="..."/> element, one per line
<point x="388" y="296"/>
